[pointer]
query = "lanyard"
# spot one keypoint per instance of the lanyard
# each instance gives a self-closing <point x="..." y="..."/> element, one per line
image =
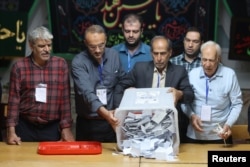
<point x="207" y="89"/>
<point x="129" y="62"/>
<point x="158" y="80"/>
<point x="100" y="68"/>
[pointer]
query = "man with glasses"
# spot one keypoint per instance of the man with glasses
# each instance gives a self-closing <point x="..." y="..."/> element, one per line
<point x="190" y="58"/>
<point x="95" y="73"/>
<point x="133" y="49"/>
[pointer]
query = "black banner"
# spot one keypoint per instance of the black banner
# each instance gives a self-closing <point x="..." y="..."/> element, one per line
<point x="240" y="38"/>
<point x="13" y="27"/>
<point x="69" y="20"/>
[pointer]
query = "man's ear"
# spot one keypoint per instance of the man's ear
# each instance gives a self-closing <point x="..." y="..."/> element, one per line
<point x="219" y="59"/>
<point x="170" y="52"/>
<point x="31" y="45"/>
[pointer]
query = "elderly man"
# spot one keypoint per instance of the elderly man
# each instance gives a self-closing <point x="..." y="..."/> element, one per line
<point x="39" y="101"/>
<point x="159" y="73"/>
<point x="218" y="99"/>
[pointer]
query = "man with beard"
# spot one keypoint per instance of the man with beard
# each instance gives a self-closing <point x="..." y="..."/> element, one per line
<point x="39" y="94"/>
<point x="133" y="49"/>
<point x="95" y="72"/>
<point x="190" y="58"/>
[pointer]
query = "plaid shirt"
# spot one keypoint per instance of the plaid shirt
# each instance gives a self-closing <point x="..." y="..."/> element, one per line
<point x="180" y="60"/>
<point x="24" y="78"/>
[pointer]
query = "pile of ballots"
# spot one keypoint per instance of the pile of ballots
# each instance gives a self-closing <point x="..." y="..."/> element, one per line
<point x="148" y="124"/>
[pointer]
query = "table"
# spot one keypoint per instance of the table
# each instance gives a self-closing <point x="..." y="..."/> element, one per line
<point x="190" y="155"/>
<point x="25" y="155"/>
<point x="194" y="155"/>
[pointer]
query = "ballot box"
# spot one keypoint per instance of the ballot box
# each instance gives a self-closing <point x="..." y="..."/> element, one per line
<point x="148" y="123"/>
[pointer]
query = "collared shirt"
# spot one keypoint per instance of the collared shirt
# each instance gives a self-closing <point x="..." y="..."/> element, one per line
<point x="86" y="77"/>
<point x="223" y="95"/>
<point x="128" y="61"/>
<point x="25" y="77"/>
<point x="159" y="79"/>
<point x="180" y="60"/>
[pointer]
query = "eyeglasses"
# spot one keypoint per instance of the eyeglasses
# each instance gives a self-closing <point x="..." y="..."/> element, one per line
<point x="94" y="47"/>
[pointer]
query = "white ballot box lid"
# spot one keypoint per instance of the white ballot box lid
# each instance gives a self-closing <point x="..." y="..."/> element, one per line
<point x="146" y="98"/>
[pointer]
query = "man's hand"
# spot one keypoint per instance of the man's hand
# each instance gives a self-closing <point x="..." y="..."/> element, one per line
<point x="177" y="94"/>
<point x="113" y="120"/>
<point x="109" y="116"/>
<point x="226" y="132"/>
<point x="12" y="138"/>
<point x="67" y="135"/>
<point x="196" y="123"/>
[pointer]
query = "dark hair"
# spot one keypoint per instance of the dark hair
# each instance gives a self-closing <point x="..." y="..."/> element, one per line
<point x="131" y="17"/>
<point x="195" y="29"/>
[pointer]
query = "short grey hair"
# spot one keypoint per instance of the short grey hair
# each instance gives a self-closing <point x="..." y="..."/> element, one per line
<point x="40" y="33"/>
<point x="161" y="37"/>
<point x="212" y="43"/>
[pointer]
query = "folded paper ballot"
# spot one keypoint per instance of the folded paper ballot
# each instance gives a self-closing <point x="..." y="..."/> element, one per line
<point x="67" y="148"/>
<point x="148" y="124"/>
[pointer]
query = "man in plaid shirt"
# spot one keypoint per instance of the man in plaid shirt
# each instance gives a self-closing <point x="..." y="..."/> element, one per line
<point x="190" y="58"/>
<point x="39" y="97"/>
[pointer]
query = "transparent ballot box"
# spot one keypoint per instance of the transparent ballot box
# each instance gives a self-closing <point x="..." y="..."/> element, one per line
<point x="148" y="123"/>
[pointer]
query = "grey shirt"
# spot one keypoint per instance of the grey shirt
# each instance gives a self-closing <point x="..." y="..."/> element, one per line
<point x="88" y="75"/>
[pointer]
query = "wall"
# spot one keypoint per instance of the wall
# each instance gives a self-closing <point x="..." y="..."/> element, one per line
<point x="242" y="68"/>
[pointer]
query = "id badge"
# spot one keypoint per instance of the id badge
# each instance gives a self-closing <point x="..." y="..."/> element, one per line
<point x="101" y="92"/>
<point x="206" y="113"/>
<point x="41" y="93"/>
